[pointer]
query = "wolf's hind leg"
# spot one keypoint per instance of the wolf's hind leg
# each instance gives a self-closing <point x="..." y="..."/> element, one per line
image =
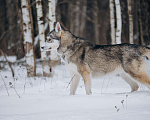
<point x="144" y="79"/>
<point x="74" y="84"/>
<point x="139" y="73"/>
<point x="134" y="86"/>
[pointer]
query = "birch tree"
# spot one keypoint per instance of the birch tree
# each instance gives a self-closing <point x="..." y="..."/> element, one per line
<point x="52" y="16"/>
<point x="119" y="21"/>
<point x="52" y="19"/>
<point x="45" y="65"/>
<point x="130" y="21"/>
<point x="28" y="38"/>
<point x="112" y="21"/>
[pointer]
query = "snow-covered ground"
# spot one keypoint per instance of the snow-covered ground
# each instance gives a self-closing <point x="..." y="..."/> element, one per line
<point x="49" y="99"/>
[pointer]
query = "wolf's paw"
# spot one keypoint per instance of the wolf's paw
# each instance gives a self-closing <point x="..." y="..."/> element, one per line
<point x="88" y="92"/>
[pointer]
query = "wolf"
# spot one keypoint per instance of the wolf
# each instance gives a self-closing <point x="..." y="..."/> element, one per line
<point x="90" y="60"/>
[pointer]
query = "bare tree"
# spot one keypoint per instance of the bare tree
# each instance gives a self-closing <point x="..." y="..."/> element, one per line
<point x="83" y="8"/>
<point x="119" y="21"/>
<point x="130" y="21"/>
<point x="140" y="24"/>
<point x="28" y="38"/>
<point x="96" y="26"/>
<point x="77" y="18"/>
<point x="112" y="21"/>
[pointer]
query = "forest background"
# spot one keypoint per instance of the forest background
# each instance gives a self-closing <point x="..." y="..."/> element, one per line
<point x="90" y="19"/>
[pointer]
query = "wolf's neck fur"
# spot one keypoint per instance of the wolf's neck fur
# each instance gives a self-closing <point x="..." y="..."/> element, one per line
<point x="69" y="43"/>
<point x="70" y="38"/>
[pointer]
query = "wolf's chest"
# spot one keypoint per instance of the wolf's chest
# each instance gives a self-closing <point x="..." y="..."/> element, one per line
<point x="72" y="68"/>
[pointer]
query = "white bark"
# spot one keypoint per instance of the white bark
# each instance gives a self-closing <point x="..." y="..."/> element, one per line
<point x="52" y="20"/>
<point x="40" y="26"/>
<point x="130" y="21"/>
<point x="112" y="21"/>
<point x="119" y="22"/>
<point x="28" y="38"/>
<point x="52" y="16"/>
<point x="46" y="72"/>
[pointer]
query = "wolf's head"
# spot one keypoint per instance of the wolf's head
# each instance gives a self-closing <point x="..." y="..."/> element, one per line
<point x="53" y="39"/>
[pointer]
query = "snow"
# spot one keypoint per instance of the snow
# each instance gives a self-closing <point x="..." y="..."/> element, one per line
<point x="49" y="99"/>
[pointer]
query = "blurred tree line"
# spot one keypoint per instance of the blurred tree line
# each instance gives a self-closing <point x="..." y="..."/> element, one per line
<point x="89" y="19"/>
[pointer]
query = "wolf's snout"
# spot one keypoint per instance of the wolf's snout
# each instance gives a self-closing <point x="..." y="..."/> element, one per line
<point x="42" y="47"/>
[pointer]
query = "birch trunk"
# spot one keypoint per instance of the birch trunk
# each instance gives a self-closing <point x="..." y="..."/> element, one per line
<point x="96" y="26"/>
<point x="112" y="21"/>
<point x="52" y="16"/>
<point x="45" y="65"/>
<point x="28" y="38"/>
<point x="119" y="21"/>
<point x="52" y="19"/>
<point x="130" y="21"/>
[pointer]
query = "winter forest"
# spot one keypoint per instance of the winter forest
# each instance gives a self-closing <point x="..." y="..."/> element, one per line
<point x="35" y="84"/>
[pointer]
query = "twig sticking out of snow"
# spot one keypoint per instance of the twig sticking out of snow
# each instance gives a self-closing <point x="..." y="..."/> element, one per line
<point x="126" y="101"/>
<point x="4" y="83"/>
<point x="117" y="109"/>
<point x="122" y="103"/>
<point x="24" y="86"/>
<point x="15" y="88"/>
<point x="70" y="82"/>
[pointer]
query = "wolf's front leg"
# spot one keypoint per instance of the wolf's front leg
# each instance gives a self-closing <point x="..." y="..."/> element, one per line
<point x="87" y="81"/>
<point x="74" y="84"/>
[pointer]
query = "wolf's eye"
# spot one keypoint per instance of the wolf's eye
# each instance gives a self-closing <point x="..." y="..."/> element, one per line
<point x="50" y="40"/>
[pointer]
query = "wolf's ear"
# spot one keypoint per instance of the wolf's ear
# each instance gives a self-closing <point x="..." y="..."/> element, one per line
<point x="58" y="28"/>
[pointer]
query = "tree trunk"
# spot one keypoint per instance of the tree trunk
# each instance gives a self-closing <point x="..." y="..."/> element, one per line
<point x="140" y="24"/>
<point x="40" y="21"/>
<point x="52" y="16"/>
<point x="12" y="22"/>
<point x="28" y="38"/>
<point x="112" y="21"/>
<point x="52" y="20"/>
<point x="96" y="26"/>
<point x="83" y="8"/>
<point x="119" y="22"/>
<point x="130" y="21"/>
<point x="77" y="19"/>
<point x="72" y="14"/>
